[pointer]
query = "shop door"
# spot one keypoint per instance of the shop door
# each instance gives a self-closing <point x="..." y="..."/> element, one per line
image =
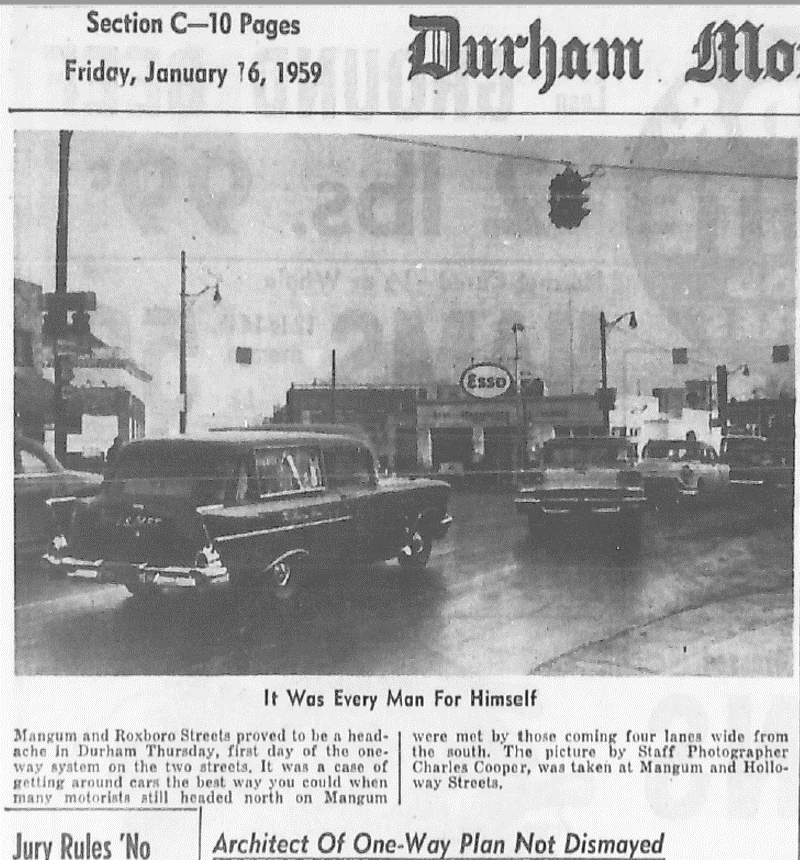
<point x="452" y="446"/>
<point x="499" y="445"/>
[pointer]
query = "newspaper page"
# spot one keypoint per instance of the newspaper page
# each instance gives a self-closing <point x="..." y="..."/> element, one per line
<point x="403" y="432"/>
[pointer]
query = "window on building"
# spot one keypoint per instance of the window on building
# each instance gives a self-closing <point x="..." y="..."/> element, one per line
<point x="23" y="348"/>
<point x="780" y="354"/>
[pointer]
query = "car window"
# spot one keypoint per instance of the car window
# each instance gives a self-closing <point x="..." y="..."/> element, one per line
<point x="350" y="466"/>
<point x="203" y="474"/>
<point x="285" y="470"/>
<point x="582" y="456"/>
<point x="747" y="451"/>
<point x="26" y="463"/>
<point x="243" y="485"/>
<point x="677" y="452"/>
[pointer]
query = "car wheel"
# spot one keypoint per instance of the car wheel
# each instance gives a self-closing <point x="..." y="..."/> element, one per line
<point x="416" y="549"/>
<point x="282" y="581"/>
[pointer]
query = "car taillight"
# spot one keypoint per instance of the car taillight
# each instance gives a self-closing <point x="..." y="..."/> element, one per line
<point x="207" y="557"/>
<point x="629" y="478"/>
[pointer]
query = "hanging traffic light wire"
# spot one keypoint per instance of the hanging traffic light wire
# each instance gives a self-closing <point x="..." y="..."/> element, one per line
<point x="790" y="176"/>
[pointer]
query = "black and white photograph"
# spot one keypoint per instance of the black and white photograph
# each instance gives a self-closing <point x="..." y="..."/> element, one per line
<point x="382" y="404"/>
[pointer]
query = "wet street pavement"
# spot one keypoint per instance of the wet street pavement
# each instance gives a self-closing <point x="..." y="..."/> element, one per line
<point x="711" y="594"/>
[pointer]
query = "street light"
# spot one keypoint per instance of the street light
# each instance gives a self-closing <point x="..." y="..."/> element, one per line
<point x="517" y="328"/>
<point x="182" y="352"/>
<point x="606" y="326"/>
<point x="723" y="375"/>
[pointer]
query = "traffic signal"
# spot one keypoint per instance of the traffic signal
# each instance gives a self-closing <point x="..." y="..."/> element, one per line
<point x="680" y="355"/>
<point x="606" y="399"/>
<point x="55" y="317"/>
<point x="58" y="309"/>
<point x="568" y="198"/>
<point x="780" y="354"/>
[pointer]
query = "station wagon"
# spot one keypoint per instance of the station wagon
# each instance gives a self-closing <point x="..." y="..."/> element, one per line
<point x="252" y="508"/>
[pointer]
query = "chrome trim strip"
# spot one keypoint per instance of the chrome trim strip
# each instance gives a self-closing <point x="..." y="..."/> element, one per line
<point x="275" y="529"/>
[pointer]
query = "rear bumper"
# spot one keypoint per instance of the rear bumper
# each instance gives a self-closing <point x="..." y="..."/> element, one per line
<point x="575" y="506"/>
<point x="142" y="577"/>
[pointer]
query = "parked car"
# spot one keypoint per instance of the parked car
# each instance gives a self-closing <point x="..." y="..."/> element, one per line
<point x="760" y="468"/>
<point x="675" y="471"/>
<point x="578" y="478"/>
<point x="256" y="509"/>
<point x="38" y="476"/>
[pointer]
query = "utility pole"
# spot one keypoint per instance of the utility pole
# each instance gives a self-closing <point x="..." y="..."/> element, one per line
<point x="333" y="386"/>
<point x="604" y="372"/>
<point x="62" y="250"/>
<point x="722" y="398"/>
<point x="604" y="327"/>
<point x="516" y="328"/>
<point x="182" y="374"/>
<point x="182" y="350"/>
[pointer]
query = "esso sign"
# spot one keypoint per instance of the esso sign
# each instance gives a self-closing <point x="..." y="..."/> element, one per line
<point x="486" y="380"/>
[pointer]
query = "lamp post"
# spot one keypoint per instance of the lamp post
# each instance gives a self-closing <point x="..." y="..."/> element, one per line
<point x="182" y="375"/>
<point x="606" y="326"/>
<point x="62" y="251"/>
<point x="517" y="328"/>
<point x="722" y="392"/>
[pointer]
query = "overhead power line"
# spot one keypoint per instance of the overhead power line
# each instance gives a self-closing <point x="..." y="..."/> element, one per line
<point x="565" y="162"/>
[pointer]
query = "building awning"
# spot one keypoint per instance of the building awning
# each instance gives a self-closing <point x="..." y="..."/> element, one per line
<point x="32" y="393"/>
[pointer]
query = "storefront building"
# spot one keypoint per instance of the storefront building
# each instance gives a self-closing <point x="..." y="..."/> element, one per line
<point x="440" y="427"/>
<point x="386" y="413"/>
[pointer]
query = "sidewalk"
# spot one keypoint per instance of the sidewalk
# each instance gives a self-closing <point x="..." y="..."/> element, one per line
<point x="742" y="636"/>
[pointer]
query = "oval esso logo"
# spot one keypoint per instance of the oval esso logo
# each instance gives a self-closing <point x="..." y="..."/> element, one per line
<point x="486" y="380"/>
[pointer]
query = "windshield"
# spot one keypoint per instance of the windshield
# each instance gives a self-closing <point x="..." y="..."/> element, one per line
<point x="579" y="456"/>
<point x="196" y="472"/>
<point x="753" y="451"/>
<point x="678" y="452"/>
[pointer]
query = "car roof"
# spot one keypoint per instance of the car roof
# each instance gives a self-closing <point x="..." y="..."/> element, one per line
<point x="589" y="440"/>
<point x="249" y="439"/>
